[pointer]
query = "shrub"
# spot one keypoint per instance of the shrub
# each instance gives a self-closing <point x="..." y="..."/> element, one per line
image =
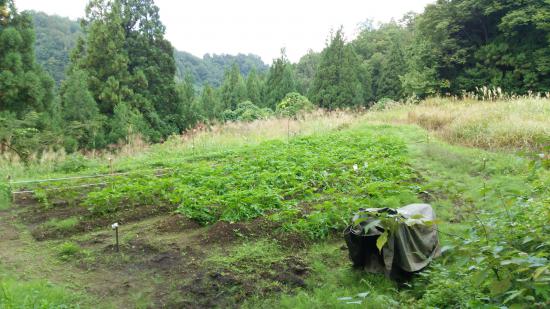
<point x="68" y="250"/>
<point x="246" y="111"/>
<point x="383" y="104"/>
<point x="73" y="163"/>
<point x="62" y="225"/>
<point x="294" y="104"/>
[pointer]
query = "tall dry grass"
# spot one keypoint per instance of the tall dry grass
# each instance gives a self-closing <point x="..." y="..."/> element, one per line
<point x="135" y="153"/>
<point x="513" y="124"/>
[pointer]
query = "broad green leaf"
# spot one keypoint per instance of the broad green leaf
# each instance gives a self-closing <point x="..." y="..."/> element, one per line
<point x="382" y="240"/>
<point x="371" y="225"/>
<point x="539" y="272"/>
<point x="498" y="287"/>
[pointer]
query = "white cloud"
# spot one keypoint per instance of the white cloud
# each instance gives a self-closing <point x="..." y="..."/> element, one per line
<point x="253" y="26"/>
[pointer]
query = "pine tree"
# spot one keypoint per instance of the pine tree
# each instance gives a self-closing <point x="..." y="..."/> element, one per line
<point x="209" y="103"/>
<point x="336" y="82"/>
<point x="233" y="88"/>
<point x="253" y="87"/>
<point x="280" y="81"/>
<point x="128" y="60"/>
<point x="80" y="112"/>
<point x="24" y="87"/>
<point x="188" y="111"/>
<point x="393" y="68"/>
<point x="305" y="71"/>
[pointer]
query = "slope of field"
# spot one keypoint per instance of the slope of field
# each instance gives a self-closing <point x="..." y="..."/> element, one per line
<point x="251" y="215"/>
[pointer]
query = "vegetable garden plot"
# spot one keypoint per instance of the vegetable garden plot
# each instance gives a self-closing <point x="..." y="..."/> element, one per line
<point x="310" y="184"/>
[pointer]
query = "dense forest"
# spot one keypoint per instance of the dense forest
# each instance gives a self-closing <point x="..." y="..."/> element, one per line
<point x="118" y="76"/>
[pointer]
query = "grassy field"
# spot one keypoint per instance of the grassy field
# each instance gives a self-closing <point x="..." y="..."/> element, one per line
<point x="251" y="214"/>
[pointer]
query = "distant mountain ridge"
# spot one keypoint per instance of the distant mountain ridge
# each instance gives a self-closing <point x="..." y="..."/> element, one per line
<point x="56" y="36"/>
<point x="211" y="68"/>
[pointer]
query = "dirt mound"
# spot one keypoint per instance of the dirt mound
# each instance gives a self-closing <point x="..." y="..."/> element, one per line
<point x="176" y="223"/>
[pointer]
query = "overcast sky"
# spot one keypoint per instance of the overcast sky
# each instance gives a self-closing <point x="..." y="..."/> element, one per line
<point x="253" y="26"/>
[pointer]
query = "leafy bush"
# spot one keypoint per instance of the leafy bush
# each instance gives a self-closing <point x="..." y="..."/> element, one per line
<point x="504" y="261"/>
<point x="5" y="195"/>
<point x="246" y="111"/>
<point x="68" y="250"/>
<point x="294" y="104"/>
<point x="72" y="164"/>
<point x="62" y="225"/>
<point x="383" y="104"/>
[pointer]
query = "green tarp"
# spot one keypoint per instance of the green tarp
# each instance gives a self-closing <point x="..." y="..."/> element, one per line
<point x="409" y="248"/>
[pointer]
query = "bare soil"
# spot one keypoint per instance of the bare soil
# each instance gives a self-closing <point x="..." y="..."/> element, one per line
<point x="160" y="259"/>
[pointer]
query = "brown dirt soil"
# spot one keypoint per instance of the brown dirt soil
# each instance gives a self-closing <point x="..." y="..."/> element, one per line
<point x="223" y="232"/>
<point x="176" y="223"/>
<point x="87" y="221"/>
<point x="160" y="255"/>
<point x="224" y="289"/>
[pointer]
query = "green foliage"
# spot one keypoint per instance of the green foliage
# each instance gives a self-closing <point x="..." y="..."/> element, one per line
<point x="233" y="90"/>
<point x="247" y="258"/>
<point x="209" y="103"/>
<point x="27" y="135"/>
<point x="34" y="294"/>
<point x="63" y="225"/>
<point x="336" y="83"/>
<point x="130" y="67"/>
<point x="26" y="94"/>
<point x="188" y="112"/>
<point x="464" y="44"/>
<point x="68" y="250"/>
<point x="81" y="114"/>
<point x="293" y="104"/>
<point x="5" y="195"/>
<point x="383" y="103"/>
<point x="24" y="87"/>
<point x="254" y="88"/>
<point x="55" y="37"/>
<point x="277" y="177"/>
<point x="211" y="69"/>
<point x="383" y="53"/>
<point x="305" y="71"/>
<point x="280" y="81"/>
<point x="246" y="111"/>
<point x="72" y="164"/>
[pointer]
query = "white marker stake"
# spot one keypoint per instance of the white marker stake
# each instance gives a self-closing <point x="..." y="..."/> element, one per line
<point x="114" y="226"/>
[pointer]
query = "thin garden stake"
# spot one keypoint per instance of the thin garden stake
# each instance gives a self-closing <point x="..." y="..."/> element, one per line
<point x="114" y="226"/>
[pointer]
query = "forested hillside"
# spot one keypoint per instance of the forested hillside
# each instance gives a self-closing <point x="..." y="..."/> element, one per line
<point x="56" y="36"/>
<point x="210" y="69"/>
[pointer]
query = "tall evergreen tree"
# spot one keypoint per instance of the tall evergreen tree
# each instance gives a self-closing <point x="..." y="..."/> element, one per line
<point x="233" y="88"/>
<point x="253" y="87"/>
<point x="280" y="81"/>
<point x="209" y="103"/>
<point x="24" y="87"/>
<point x="26" y="92"/>
<point x="187" y="104"/>
<point x="336" y="82"/>
<point x="305" y="71"/>
<point x="128" y="60"/>
<point x="392" y="69"/>
<point x="80" y="112"/>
